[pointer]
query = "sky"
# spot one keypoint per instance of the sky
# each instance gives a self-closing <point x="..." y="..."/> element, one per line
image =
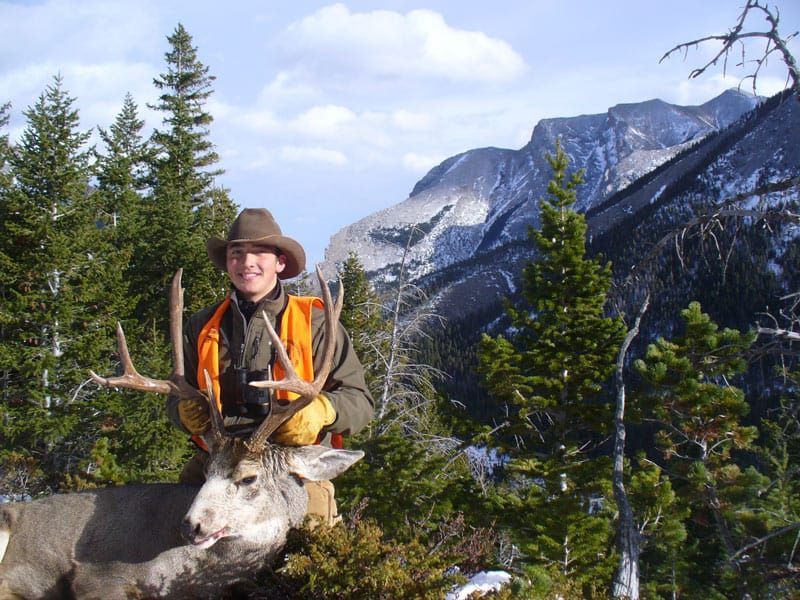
<point x="327" y="112"/>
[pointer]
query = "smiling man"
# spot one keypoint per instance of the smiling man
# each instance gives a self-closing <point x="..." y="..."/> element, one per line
<point x="230" y="341"/>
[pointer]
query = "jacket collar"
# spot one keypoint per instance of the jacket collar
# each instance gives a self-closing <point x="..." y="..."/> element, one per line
<point x="272" y="303"/>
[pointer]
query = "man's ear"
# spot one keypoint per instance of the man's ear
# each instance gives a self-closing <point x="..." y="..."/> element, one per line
<point x="281" y="263"/>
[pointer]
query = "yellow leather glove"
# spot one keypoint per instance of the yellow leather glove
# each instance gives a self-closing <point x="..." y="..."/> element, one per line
<point x="304" y="426"/>
<point x="193" y="413"/>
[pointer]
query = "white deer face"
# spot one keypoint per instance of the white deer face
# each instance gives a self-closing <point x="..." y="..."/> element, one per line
<point x="258" y="497"/>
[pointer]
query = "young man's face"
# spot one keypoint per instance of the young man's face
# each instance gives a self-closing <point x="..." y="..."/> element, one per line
<point x="254" y="268"/>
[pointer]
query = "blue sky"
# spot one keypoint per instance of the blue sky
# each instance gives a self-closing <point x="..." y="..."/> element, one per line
<point x="327" y="112"/>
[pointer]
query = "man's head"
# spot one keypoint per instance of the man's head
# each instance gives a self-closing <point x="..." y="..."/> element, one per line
<point x="256" y="254"/>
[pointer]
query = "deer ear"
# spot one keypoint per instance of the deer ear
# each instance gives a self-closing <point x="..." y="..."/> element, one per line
<point x="318" y="463"/>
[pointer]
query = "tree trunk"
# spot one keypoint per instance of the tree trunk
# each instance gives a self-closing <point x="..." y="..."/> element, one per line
<point x="626" y="579"/>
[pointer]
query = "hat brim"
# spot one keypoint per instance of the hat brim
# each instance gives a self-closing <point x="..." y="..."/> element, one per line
<point x="295" y="255"/>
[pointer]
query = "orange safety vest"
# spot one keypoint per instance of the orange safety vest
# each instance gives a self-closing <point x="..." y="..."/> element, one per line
<point x="295" y="334"/>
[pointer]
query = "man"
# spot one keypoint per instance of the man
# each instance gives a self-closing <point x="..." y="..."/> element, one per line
<point x="230" y="340"/>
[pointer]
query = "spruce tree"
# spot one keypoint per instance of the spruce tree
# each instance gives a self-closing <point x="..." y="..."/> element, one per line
<point x="700" y="412"/>
<point x="551" y="366"/>
<point x="185" y="207"/>
<point x="121" y="175"/>
<point x="362" y="318"/>
<point x="779" y="454"/>
<point x="140" y="443"/>
<point x="56" y="305"/>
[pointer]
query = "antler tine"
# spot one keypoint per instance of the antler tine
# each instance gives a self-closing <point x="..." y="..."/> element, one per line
<point x="131" y="379"/>
<point x="292" y="382"/>
<point x="217" y="422"/>
<point x="176" y="326"/>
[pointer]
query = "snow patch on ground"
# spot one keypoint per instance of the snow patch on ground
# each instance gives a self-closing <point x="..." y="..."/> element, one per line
<point x="486" y="581"/>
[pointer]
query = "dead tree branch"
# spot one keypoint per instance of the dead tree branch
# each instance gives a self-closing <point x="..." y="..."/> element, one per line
<point x="735" y="39"/>
<point x="704" y="224"/>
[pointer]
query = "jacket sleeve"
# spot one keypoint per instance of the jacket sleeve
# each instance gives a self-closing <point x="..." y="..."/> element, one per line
<point x="345" y="388"/>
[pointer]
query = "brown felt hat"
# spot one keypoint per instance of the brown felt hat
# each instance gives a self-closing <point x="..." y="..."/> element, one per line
<point x="258" y="225"/>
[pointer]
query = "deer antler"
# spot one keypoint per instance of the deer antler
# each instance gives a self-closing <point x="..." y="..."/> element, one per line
<point x="292" y="382"/>
<point x="131" y="379"/>
<point x="217" y="421"/>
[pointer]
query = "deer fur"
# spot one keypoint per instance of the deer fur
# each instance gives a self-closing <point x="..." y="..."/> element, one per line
<point x="164" y="540"/>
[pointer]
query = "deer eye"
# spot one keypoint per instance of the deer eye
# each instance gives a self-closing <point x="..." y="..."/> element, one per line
<point x="249" y="480"/>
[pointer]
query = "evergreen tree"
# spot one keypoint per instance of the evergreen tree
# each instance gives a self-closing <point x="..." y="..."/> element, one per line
<point x="141" y="445"/>
<point x="121" y="175"/>
<point x="701" y="414"/>
<point x="660" y="518"/>
<point x="410" y="487"/>
<point x="184" y="207"/>
<point x="551" y="367"/>
<point x="6" y="207"/>
<point x="362" y="318"/>
<point x="775" y="550"/>
<point x="56" y="304"/>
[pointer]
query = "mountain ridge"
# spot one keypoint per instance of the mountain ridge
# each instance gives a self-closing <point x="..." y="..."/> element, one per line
<point x="471" y="213"/>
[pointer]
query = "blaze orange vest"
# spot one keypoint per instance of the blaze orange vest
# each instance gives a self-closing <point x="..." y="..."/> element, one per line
<point x="295" y="334"/>
<point x="296" y="337"/>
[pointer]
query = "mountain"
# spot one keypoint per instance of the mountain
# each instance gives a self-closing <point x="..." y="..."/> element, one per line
<point x="482" y="199"/>
<point x="465" y="223"/>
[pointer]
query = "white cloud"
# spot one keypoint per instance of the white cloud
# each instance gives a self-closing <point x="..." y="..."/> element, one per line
<point x="313" y="154"/>
<point x="334" y="43"/>
<point x="98" y="88"/>
<point x="691" y="92"/>
<point x="324" y="121"/>
<point x="412" y="121"/>
<point x="420" y="163"/>
<point x="90" y="29"/>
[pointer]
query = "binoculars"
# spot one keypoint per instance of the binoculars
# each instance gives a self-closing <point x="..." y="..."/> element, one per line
<point x="255" y="401"/>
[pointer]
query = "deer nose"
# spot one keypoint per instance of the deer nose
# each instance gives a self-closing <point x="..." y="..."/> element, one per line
<point x="190" y="531"/>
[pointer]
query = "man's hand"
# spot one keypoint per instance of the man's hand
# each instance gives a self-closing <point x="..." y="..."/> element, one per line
<point x="194" y="415"/>
<point x="304" y="426"/>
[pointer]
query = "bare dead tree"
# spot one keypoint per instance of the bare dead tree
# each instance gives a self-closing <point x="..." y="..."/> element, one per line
<point x="784" y="327"/>
<point x="407" y="386"/>
<point x="626" y="579"/>
<point x="734" y="43"/>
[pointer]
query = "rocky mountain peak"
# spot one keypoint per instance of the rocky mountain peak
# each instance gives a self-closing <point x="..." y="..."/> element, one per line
<point x="486" y="198"/>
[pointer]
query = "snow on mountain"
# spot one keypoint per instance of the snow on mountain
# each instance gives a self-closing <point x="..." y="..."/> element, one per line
<point x="483" y="200"/>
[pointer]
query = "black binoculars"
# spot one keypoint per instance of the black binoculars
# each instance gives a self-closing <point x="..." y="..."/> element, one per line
<point x="255" y="401"/>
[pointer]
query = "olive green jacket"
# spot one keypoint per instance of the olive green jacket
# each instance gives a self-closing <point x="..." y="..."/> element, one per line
<point x="248" y="345"/>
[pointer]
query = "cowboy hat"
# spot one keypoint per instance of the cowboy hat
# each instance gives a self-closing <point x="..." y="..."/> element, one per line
<point x="258" y="225"/>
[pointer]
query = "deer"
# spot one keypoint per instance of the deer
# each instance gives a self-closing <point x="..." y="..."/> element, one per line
<point x="175" y="540"/>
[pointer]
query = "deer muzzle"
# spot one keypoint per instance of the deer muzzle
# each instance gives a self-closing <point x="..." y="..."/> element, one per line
<point x="195" y="534"/>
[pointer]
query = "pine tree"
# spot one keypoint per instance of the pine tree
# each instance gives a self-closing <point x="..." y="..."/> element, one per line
<point x="121" y="175"/>
<point x="141" y="445"/>
<point x="660" y="518"/>
<point x="779" y="453"/>
<point x="701" y="414"/>
<point x="55" y="309"/>
<point x="551" y="367"/>
<point x="184" y="207"/>
<point x="362" y="318"/>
